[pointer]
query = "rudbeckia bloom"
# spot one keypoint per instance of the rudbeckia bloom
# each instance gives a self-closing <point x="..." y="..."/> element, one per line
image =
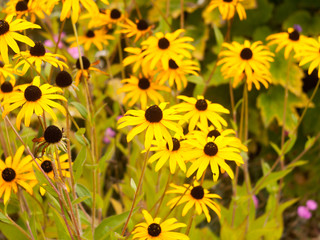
<point x="6" y="70"/>
<point x="136" y="58"/>
<point x="177" y="71"/>
<point x="227" y="8"/>
<point x="141" y="89"/>
<point x="152" y="229"/>
<point x="213" y="152"/>
<point x="155" y="120"/>
<point x="310" y="53"/>
<point x="196" y="196"/>
<point x="202" y="110"/>
<point x="255" y="78"/>
<point x="9" y="36"/>
<point x="7" y="89"/>
<point x="37" y="54"/>
<point x="95" y="37"/>
<point x="290" y="40"/>
<point x="46" y="165"/>
<point x="34" y="98"/>
<point x="163" y="47"/>
<point x="175" y="155"/>
<point x="16" y="171"/>
<point x="138" y="29"/>
<point x="114" y="16"/>
<point x="85" y="72"/>
<point x="90" y="5"/>
<point x="247" y="57"/>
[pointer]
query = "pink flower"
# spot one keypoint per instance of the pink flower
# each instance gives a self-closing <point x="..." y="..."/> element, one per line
<point x="120" y="116"/>
<point x="108" y="134"/>
<point x="304" y="212"/>
<point x="312" y="205"/>
<point x="255" y="201"/>
<point x="74" y="52"/>
<point x="49" y="43"/>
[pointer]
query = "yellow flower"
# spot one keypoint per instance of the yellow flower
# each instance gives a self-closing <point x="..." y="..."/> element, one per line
<point x="174" y="155"/>
<point x="85" y="72"/>
<point x="138" y="29"/>
<point x="195" y="196"/>
<point x="95" y="37"/>
<point x="34" y="98"/>
<point x="255" y="78"/>
<point x="214" y="152"/>
<point x="228" y="8"/>
<point x="9" y="36"/>
<point x="90" y="5"/>
<point x="310" y="54"/>
<point x="290" y="40"/>
<point x="16" y="171"/>
<point x="7" y="89"/>
<point x="163" y="47"/>
<point x="37" y="54"/>
<point x="152" y="229"/>
<point x="136" y="58"/>
<point x="6" y="70"/>
<point x="247" y="58"/>
<point x="177" y="71"/>
<point x="155" y="120"/>
<point x="141" y="89"/>
<point x="202" y="110"/>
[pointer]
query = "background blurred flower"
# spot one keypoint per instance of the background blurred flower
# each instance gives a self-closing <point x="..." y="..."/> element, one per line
<point x="312" y="205"/>
<point x="304" y="212"/>
<point x="108" y="135"/>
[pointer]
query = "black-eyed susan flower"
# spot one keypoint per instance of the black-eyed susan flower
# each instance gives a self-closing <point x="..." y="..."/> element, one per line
<point x="96" y="20"/>
<point x="64" y="79"/>
<point x="138" y="29"/>
<point x="254" y="79"/>
<point x="248" y="58"/>
<point x="16" y="171"/>
<point x="228" y="8"/>
<point x="37" y="55"/>
<point x="52" y="138"/>
<point x="155" y="120"/>
<point x="114" y="16"/>
<point x="74" y="5"/>
<point x="135" y="58"/>
<point x="194" y="196"/>
<point x="152" y="229"/>
<point x="290" y="40"/>
<point x="200" y="110"/>
<point x="163" y="47"/>
<point x="9" y="35"/>
<point x="85" y="72"/>
<point x="310" y="54"/>
<point x="34" y="98"/>
<point x="99" y="38"/>
<point x="6" y="71"/>
<point x="162" y="153"/>
<point x="46" y="164"/>
<point x="141" y="89"/>
<point x="177" y="71"/>
<point x="212" y="152"/>
<point x="7" y="89"/>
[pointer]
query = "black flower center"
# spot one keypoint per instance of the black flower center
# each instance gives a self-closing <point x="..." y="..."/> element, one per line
<point x="1" y="64"/>
<point x="52" y="134"/>
<point x="90" y="34"/>
<point x="63" y="79"/>
<point x="214" y="133"/>
<point x="115" y="13"/>
<point x="210" y="149"/>
<point x="142" y="25"/>
<point x="46" y="166"/>
<point x="8" y="174"/>
<point x="197" y="192"/>
<point x="246" y="54"/>
<point x="228" y="1"/>
<point x="154" y="229"/>
<point x="6" y="87"/>
<point x="85" y="61"/>
<point x="163" y="43"/>
<point x="38" y="50"/>
<point x="4" y="27"/>
<point x="144" y="83"/>
<point x="176" y="144"/>
<point x="32" y="93"/>
<point x="21" y="6"/>
<point x="173" y="64"/>
<point x="153" y="114"/>
<point x="294" y="36"/>
<point x="201" y="105"/>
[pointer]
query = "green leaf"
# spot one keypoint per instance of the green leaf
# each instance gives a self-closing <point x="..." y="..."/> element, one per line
<point x="276" y="148"/>
<point x="81" y="109"/>
<point x="79" y="200"/>
<point x="218" y="35"/>
<point x="80" y="137"/>
<point x="4" y="219"/>
<point x="297" y="164"/>
<point x="43" y="182"/>
<point x="10" y="232"/>
<point x="82" y="191"/>
<point x="109" y="224"/>
<point x="78" y="163"/>
<point x="271" y="104"/>
<point x="310" y="142"/>
<point x="288" y="145"/>
<point x="60" y="225"/>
